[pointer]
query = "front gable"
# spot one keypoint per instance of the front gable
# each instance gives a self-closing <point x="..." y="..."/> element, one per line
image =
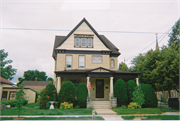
<point x="100" y="70"/>
<point x="83" y="29"/>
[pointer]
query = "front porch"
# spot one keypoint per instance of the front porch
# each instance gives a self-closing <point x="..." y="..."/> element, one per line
<point x="102" y="81"/>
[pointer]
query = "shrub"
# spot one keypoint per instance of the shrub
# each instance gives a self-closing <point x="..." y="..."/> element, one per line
<point x="82" y="93"/>
<point x="133" y="105"/>
<point x="66" y="105"/>
<point x="12" y="103"/>
<point x="67" y="93"/>
<point x="48" y="94"/>
<point x="131" y="84"/>
<point x="149" y="96"/>
<point x="120" y="92"/>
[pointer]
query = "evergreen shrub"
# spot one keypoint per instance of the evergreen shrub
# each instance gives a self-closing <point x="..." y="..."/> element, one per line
<point x="48" y="94"/>
<point x="131" y="84"/>
<point x="67" y="93"/>
<point x="120" y="91"/>
<point x="66" y="105"/>
<point x="82" y="93"/>
<point x="149" y="96"/>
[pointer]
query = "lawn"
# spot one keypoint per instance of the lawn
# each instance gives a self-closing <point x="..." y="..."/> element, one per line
<point x="59" y="118"/>
<point x="154" y="117"/>
<point x="157" y="110"/>
<point x="34" y="111"/>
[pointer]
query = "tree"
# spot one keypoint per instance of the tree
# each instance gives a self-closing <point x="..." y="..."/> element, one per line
<point x="47" y="94"/>
<point x="20" y="98"/>
<point x="149" y="96"/>
<point x="138" y="96"/>
<point x="82" y="93"/>
<point x="123" y="67"/>
<point x="120" y="91"/>
<point x="131" y="84"/>
<point x="50" y="79"/>
<point x="174" y="36"/>
<point x="67" y="93"/>
<point x="30" y="75"/>
<point x="7" y="71"/>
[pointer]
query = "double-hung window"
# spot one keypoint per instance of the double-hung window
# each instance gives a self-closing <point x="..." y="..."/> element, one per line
<point x="68" y="61"/>
<point x="81" y="61"/>
<point x="83" y="41"/>
<point x="12" y="95"/>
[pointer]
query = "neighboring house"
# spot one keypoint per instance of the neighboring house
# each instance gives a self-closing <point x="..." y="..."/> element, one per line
<point x="84" y="55"/>
<point x="8" y="91"/>
<point x="36" y="85"/>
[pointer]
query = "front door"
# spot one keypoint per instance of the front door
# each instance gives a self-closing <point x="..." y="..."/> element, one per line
<point x="99" y="88"/>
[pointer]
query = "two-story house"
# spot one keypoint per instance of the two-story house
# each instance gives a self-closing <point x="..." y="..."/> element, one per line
<point x="84" y="55"/>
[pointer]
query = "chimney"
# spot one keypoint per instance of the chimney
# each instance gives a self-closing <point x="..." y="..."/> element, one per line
<point x="35" y="78"/>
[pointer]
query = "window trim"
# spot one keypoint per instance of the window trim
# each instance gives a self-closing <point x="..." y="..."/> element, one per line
<point x="80" y="41"/>
<point x="84" y="61"/>
<point x="97" y="56"/>
<point x="71" y="61"/>
<point x="113" y="63"/>
<point x="6" y="95"/>
<point x="10" y="94"/>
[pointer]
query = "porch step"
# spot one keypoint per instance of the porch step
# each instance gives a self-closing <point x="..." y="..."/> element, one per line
<point x="101" y="104"/>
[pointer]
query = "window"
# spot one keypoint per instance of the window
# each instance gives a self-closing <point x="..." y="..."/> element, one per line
<point x="77" y="42"/>
<point x="12" y="95"/>
<point x="68" y="61"/>
<point x="89" y="42"/>
<point x="112" y="63"/>
<point x="81" y="61"/>
<point x="4" y="95"/>
<point x="83" y="41"/>
<point x="97" y="59"/>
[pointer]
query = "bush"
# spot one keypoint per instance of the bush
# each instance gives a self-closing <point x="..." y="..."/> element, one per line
<point x="131" y="84"/>
<point x="149" y="96"/>
<point x="120" y="92"/>
<point x="66" y="105"/>
<point x="67" y="93"/>
<point x="82" y="93"/>
<point x="47" y="94"/>
<point x="13" y="102"/>
<point x="133" y="105"/>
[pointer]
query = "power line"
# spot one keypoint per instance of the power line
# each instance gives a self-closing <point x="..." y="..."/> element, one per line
<point x="70" y="30"/>
<point x="167" y="32"/>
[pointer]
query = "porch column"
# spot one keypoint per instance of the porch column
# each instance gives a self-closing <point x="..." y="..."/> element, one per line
<point x="111" y="88"/>
<point x="58" y="84"/>
<point x="87" y="86"/>
<point x="137" y="81"/>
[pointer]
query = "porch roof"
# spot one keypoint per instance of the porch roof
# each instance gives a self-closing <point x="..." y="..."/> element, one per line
<point x="97" y="72"/>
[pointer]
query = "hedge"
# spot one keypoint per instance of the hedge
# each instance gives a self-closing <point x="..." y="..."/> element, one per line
<point x="120" y="91"/>
<point x="149" y="96"/>
<point x="67" y="93"/>
<point x="82" y="93"/>
<point x="131" y="84"/>
<point x="48" y="94"/>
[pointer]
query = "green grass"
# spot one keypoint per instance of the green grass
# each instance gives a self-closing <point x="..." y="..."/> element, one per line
<point x="153" y="117"/>
<point x="33" y="111"/>
<point x="157" y="110"/>
<point x="58" y="118"/>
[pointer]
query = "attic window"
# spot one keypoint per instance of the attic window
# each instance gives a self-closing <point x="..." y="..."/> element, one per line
<point x="83" y="41"/>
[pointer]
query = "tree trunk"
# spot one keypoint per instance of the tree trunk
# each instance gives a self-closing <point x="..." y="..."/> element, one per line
<point x="169" y="93"/>
<point x="140" y="112"/>
<point x="18" y="113"/>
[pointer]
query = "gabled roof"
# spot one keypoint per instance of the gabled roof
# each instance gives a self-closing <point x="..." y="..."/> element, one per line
<point x="59" y="40"/>
<point x="4" y="81"/>
<point x="36" y="83"/>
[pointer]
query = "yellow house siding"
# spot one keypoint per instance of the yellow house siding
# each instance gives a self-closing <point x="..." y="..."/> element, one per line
<point x="83" y="29"/>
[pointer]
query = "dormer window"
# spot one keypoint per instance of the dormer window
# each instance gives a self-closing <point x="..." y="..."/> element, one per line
<point x="83" y="41"/>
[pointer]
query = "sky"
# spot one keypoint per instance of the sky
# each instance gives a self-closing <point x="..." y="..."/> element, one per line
<point x="28" y="27"/>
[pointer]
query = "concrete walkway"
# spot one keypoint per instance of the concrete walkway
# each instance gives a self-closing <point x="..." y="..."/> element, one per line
<point x="105" y="111"/>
